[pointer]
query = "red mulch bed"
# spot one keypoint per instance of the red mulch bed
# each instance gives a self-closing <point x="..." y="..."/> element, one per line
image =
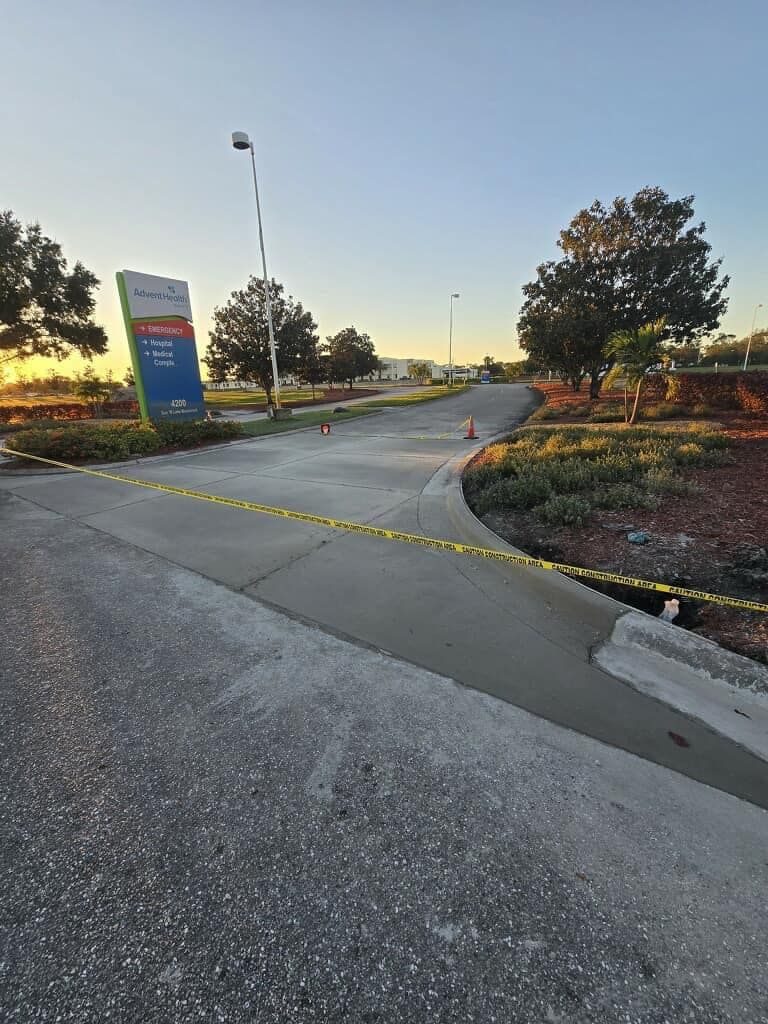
<point x="558" y="394"/>
<point x="714" y="541"/>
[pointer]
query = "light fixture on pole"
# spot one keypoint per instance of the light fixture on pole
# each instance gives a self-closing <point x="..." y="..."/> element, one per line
<point x="749" y="343"/>
<point x="454" y="295"/>
<point x="240" y="140"/>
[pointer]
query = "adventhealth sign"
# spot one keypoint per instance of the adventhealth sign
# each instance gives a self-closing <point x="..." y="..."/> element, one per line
<point x="158" y="320"/>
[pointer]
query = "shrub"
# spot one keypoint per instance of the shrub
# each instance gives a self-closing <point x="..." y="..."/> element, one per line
<point x="187" y="433"/>
<point x="696" y="455"/>
<point x="109" y="443"/>
<point x="115" y="441"/>
<point x="58" y="411"/>
<point x="751" y="392"/>
<point x="716" y="389"/>
<point x="580" y="410"/>
<point x="616" y="468"/>
<point x="655" y="387"/>
<point x="607" y="414"/>
<point x="623" y="496"/>
<point x="527" y="491"/>
<point x="701" y="409"/>
<point x="665" y="483"/>
<point x="123" y="409"/>
<point x="567" y="476"/>
<point x="565" y="510"/>
<point x="546" y="412"/>
<point x="664" y="411"/>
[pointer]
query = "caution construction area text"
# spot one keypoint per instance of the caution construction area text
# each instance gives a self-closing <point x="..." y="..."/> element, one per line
<point x="433" y="543"/>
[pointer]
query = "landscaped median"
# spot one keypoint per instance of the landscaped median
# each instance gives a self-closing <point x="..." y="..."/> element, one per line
<point x="684" y="504"/>
<point x="113" y="442"/>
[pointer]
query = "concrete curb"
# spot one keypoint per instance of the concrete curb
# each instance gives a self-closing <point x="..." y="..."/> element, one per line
<point x="723" y="690"/>
<point x="689" y="673"/>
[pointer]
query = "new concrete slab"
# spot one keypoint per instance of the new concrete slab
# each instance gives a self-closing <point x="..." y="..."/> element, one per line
<point x="520" y="634"/>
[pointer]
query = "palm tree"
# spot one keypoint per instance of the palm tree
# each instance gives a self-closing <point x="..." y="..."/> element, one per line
<point x="635" y="352"/>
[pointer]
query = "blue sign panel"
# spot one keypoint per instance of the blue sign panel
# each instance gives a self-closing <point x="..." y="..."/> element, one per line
<point x="169" y="370"/>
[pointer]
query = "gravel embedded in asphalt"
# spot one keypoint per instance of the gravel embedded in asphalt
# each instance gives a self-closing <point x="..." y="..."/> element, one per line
<point x="213" y="812"/>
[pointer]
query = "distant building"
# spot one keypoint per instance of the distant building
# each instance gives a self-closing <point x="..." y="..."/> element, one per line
<point x="397" y="369"/>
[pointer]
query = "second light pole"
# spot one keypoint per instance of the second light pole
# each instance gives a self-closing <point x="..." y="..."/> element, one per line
<point x="454" y="295"/>
<point x="240" y="140"/>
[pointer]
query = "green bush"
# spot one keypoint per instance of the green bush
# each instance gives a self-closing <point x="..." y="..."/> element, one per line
<point x="664" y="482"/>
<point x="567" y="476"/>
<point x="107" y="443"/>
<point x="187" y="433"/>
<point x="546" y="412"/>
<point x="664" y="411"/>
<point x="564" y="510"/>
<point x="527" y="491"/>
<point x="695" y="455"/>
<point x="116" y="441"/>
<point x="623" y="496"/>
<point x="606" y="414"/>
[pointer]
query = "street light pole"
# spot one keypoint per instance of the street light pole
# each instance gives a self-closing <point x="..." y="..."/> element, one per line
<point x="240" y="140"/>
<point x="749" y="343"/>
<point x="454" y="295"/>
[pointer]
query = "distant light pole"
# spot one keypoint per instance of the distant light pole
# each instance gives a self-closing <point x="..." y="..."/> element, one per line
<point x="454" y="295"/>
<point x="749" y="343"/>
<point x="240" y="140"/>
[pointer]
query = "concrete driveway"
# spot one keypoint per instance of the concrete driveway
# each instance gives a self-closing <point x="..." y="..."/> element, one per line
<point x="518" y="634"/>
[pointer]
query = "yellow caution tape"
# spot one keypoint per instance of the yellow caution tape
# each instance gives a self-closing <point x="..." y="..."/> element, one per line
<point x="408" y="538"/>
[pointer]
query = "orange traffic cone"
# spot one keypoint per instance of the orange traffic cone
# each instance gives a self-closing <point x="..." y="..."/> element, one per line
<point x="470" y="434"/>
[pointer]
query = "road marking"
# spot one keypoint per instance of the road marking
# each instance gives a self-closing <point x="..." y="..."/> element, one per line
<point x="407" y="538"/>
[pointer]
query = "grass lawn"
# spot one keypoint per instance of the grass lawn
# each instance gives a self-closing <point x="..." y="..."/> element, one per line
<point x="257" y="428"/>
<point x="413" y="399"/>
<point x="222" y="399"/>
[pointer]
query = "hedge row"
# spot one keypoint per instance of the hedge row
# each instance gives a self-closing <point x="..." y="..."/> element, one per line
<point x="745" y="391"/>
<point x="112" y="442"/>
<point x="68" y="411"/>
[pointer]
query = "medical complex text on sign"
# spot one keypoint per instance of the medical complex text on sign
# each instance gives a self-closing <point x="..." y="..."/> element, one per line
<point x="158" y="321"/>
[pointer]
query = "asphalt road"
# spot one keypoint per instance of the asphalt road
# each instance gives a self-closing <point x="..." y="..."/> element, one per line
<point x="212" y="812"/>
<point x="518" y="634"/>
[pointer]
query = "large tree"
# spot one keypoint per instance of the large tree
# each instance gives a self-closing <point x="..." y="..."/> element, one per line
<point x="622" y="267"/>
<point x="350" y="355"/>
<point x="46" y="309"/>
<point x="239" y="342"/>
<point x="310" y="362"/>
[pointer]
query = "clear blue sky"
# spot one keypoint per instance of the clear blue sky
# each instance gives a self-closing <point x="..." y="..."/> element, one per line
<point x="405" y="149"/>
